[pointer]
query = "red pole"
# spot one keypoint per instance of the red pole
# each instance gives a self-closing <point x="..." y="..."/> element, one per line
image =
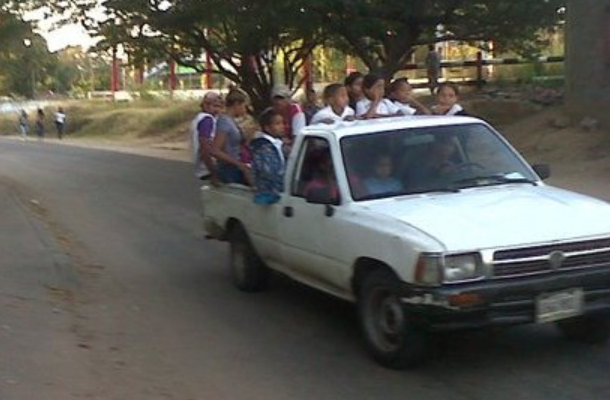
<point x="140" y="75"/>
<point x="172" y="77"/>
<point x="114" y="83"/>
<point x="480" y="81"/>
<point x="308" y="72"/>
<point x="208" y="70"/>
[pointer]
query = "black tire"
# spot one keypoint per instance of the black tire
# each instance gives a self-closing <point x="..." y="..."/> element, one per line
<point x="392" y="339"/>
<point x="589" y="329"/>
<point x="248" y="271"/>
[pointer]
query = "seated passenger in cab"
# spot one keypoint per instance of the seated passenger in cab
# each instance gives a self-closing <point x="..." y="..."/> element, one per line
<point x="323" y="182"/>
<point x="382" y="181"/>
<point x="268" y="163"/>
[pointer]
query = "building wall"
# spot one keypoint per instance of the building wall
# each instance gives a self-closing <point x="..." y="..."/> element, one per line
<point x="588" y="59"/>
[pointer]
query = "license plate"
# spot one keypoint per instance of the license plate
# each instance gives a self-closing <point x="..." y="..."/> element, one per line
<point x="559" y="305"/>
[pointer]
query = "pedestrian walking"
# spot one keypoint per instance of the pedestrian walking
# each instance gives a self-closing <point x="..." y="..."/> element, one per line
<point x="39" y="125"/>
<point x="60" y="122"/>
<point x="433" y="68"/>
<point x="24" y="125"/>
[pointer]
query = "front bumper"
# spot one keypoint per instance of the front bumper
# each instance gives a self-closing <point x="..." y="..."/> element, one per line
<point x="502" y="302"/>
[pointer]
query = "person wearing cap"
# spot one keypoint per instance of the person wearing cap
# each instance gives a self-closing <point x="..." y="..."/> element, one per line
<point x="294" y="118"/>
<point x="203" y="129"/>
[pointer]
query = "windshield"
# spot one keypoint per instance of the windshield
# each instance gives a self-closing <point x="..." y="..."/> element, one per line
<point x="430" y="159"/>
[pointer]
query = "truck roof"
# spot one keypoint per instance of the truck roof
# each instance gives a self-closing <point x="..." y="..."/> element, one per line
<point x="360" y="127"/>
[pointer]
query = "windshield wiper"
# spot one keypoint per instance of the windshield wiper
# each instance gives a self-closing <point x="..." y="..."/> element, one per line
<point x="408" y="193"/>
<point x="490" y="180"/>
<point x="435" y="190"/>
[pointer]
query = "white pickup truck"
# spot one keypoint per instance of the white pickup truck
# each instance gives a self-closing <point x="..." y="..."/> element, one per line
<point x="427" y="223"/>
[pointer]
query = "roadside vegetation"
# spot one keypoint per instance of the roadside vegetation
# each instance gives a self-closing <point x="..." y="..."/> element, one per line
<point x="116" y="121"/>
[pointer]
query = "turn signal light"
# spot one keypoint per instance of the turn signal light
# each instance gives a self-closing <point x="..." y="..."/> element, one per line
<point x="464" y="299"/>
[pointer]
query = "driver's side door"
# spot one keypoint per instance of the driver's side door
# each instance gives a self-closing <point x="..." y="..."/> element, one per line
<point x="305" y="228"/>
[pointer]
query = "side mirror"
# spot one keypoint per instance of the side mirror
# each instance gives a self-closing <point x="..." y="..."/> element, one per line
<point x="543" y="170"/>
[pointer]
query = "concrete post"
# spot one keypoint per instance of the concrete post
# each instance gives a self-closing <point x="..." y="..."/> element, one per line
<point x="588" y="59"/>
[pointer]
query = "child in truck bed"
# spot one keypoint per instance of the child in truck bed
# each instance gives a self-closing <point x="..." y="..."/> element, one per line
<point x="268" y="163"/>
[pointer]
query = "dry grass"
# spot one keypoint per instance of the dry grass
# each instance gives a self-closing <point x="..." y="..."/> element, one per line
<point x="104" y="120"/>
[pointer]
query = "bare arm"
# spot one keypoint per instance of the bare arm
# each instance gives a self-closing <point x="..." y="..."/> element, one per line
<point x="218" y="152"/>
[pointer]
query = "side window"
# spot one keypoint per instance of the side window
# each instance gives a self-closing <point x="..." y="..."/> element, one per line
<point x="315" y="173"/>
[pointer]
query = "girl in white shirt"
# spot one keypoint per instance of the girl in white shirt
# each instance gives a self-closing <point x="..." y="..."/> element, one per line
<point x="401" y="93"/>
<point x="447" y="98"/>
<point x="374" y="105"/>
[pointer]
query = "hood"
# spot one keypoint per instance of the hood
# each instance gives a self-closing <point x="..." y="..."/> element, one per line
<point x="499" y="216"/>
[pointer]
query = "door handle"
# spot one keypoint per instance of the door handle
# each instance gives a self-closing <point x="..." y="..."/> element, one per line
<point x="288" y="212"/>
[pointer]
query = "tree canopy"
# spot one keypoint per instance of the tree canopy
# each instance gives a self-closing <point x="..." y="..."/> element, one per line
<point x="384" y="33"/>
<point x="256" y="43"/>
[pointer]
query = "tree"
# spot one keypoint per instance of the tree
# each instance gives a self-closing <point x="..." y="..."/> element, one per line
<point x="244" y="40"/>
<point x="22" y="55"/>
<point x="384" y="33"/>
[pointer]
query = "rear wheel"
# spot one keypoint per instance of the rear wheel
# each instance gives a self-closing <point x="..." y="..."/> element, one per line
<point x="391" y="337"/>
<point x="590" y="329"/>
<point x="249" y="272"/>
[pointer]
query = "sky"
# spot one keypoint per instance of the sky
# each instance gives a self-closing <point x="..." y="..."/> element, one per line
<point x="68" y="35"/>
<point x="59" y="38"/>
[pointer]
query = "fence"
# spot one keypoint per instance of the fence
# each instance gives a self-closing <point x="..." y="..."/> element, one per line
<point x="480" y="63"/>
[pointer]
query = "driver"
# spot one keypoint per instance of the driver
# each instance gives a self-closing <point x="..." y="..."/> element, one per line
<point x="440" y="160"/>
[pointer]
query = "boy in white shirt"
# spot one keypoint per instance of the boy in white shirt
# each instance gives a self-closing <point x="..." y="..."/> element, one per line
<point x="337" y="109"/>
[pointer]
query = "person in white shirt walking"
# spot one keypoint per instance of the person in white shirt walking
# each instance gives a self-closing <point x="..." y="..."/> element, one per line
<point x="60" y="122"/>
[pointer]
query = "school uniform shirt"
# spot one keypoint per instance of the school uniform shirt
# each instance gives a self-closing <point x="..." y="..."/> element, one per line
<point x="405" y="109"/>
<point x="456" y="109"/>
<point x="385" y="107"/>
<point x="60" y="117"/>
<point x="327" y="113"/>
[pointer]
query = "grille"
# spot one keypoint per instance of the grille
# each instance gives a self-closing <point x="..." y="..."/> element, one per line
<point x="546" y="250"/>
<point x="535" y="260"/>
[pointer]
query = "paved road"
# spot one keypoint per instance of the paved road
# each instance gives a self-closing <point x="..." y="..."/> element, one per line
<point x="112" y="294"/>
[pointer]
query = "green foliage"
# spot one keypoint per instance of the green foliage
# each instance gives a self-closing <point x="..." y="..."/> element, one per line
<point x="246" y="39"/>
<point x="385" y="33"/>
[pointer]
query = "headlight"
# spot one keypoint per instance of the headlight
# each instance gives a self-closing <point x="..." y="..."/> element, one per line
<point x="462" y="268"/>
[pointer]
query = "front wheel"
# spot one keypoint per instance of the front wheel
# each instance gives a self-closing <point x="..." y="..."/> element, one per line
<point x="249" y="272"/>
<point x="590" y="329"/>
<point x="391" y="337"/>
